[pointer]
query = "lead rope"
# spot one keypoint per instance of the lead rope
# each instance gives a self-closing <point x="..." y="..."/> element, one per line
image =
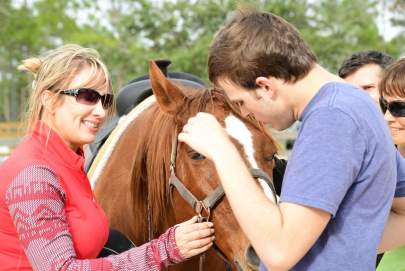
<point x="200" y="218"/>
<point x="203" y="255"/>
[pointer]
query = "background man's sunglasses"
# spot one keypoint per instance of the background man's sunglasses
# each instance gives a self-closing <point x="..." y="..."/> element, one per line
<point x="396" y="108"/>
<point x="90" y="96"/>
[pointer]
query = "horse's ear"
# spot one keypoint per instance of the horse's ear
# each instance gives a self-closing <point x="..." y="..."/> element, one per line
<point x="169" y="96"/>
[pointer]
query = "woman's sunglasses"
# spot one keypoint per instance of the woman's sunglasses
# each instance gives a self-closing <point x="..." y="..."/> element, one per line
<point x="396" y="108"/>
<point x="89" y="96"/>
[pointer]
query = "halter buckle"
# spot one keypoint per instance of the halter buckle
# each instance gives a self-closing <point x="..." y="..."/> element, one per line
<point x="202" y="211"/>
<point x="171" y="167"/>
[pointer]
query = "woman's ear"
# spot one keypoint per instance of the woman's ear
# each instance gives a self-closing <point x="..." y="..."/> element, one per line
<point x="46" y="101"/>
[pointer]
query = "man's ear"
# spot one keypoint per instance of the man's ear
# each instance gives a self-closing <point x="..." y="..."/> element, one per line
<point x="266" y="86"/>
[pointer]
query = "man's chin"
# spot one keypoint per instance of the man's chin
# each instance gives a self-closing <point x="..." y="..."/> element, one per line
<point x="279" y="127"/>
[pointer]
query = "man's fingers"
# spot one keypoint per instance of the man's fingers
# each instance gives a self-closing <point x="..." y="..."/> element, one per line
<point x="182" y="137"/>
<point x="186" y="128"/>
<point x="191" y="120"/>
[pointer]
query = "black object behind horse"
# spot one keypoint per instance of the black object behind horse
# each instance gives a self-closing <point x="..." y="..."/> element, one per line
<point x="138" y="90"/>
<point x="131" y="95"/>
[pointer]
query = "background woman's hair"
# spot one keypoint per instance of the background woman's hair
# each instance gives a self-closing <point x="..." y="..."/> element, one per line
<point x="393" y="80"/>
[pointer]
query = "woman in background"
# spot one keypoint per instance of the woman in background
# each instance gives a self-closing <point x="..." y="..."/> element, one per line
<point x="392" y="102"/>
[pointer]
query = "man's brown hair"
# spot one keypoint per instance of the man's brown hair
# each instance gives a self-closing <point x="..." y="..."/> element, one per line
<point x="393" y="80"/>
<point x="257" y="44"/>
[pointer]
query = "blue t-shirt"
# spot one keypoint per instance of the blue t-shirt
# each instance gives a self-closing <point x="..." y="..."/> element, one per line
<point x="343" y="162"/>
<point x="400" y="190"/>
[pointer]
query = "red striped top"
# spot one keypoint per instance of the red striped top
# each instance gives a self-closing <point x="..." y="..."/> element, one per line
<point x="49" y="219"/>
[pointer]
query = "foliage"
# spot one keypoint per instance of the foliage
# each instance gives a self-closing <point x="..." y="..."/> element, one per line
<point x="127" y="33"/>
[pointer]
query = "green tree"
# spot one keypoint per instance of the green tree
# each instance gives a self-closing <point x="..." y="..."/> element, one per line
<point x="25" y="31"/>
<point x="397" y="44"/>
<point x="342" y="27"/>
<point x="128" y="33"/>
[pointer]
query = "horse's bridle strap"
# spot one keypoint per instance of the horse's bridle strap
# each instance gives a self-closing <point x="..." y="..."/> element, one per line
<point x="258" y="173"/>
<point x="208" y="203"/>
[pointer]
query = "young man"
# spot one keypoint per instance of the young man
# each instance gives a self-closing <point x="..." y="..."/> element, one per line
<point x="364" y="69"/>
<point x="341" y="175"/>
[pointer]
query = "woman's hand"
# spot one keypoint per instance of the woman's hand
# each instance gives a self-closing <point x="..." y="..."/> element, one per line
<point x="193" y="238"/>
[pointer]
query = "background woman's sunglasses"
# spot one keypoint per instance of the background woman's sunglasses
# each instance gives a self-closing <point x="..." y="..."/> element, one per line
<point x="396" y="108"/>
<point x="90" y="96"/>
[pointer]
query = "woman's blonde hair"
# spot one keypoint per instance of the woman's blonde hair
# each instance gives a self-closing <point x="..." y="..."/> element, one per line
<point x="54" y="71"/>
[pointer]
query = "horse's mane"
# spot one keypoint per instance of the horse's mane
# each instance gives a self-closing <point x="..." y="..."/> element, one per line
<point x="152" y="156"/>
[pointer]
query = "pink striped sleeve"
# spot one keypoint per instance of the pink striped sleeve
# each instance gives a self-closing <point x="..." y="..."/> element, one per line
<point x="36" y="202"/>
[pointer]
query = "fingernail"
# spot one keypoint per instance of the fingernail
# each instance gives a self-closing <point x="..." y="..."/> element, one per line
<point x="211" y="224"/>
<point x="212" y="230"/>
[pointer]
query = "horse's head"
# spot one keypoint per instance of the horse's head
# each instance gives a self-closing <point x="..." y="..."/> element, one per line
<point x="198" y="175"/>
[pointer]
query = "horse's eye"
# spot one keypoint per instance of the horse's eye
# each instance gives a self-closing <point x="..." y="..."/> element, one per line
<point x="269" y="158"/>
<point x="196" y="156"/>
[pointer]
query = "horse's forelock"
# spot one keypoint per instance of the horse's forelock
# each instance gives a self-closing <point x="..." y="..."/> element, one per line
<point x="157" y="158"/>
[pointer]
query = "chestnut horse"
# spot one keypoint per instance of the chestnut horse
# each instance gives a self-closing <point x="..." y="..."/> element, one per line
<point x="131" y="178"/>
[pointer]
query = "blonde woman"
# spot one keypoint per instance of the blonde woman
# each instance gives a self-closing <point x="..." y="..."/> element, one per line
<point x="49" y="219"/>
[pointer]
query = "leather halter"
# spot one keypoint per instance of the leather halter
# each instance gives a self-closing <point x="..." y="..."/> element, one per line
<point x="203" y="207"/>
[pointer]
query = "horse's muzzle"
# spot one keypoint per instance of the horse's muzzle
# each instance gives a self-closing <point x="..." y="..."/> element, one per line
<point x="251" y="261"/>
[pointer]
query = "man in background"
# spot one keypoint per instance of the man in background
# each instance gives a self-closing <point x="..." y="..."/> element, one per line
<point x="364" y="69"/>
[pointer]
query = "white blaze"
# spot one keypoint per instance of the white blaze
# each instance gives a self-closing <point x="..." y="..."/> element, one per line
<point x="238" y="130"/>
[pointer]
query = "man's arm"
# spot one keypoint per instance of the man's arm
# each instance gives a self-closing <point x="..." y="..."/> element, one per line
<point x="280" y="238"/>
<point x="283" y="234"/>
<point x="394" y="232"/>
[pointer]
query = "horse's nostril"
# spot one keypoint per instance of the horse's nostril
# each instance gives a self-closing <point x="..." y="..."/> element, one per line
<point x="252" y="258"/>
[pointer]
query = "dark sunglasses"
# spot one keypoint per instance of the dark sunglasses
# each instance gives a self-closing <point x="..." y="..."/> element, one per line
<point x="396" y="108"/>
<point x="90" y="96"/>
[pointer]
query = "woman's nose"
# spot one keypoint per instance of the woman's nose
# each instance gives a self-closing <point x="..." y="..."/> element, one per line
<point x="99" y="109"/>
<point x="388" y="117"/>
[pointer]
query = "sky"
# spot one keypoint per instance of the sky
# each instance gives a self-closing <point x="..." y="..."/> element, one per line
<point x="383" y="21"/>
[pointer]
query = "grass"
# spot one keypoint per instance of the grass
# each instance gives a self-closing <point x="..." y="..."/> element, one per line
<point x="393" y="260"/>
